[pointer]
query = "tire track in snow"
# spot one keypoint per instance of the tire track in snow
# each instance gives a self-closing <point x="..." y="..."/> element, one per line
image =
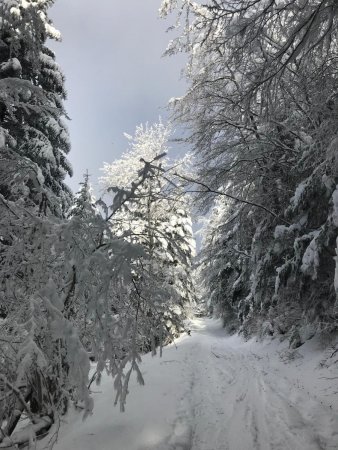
<point x="183" y="427"/>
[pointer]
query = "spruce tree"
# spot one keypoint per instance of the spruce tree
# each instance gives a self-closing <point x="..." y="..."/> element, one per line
<point x="33" y="198"/>
<point x="34" y="139"/>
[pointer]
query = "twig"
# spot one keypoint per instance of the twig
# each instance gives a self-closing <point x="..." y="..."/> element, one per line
<point x="233" y="197"/>
<point x="92" y="379"/>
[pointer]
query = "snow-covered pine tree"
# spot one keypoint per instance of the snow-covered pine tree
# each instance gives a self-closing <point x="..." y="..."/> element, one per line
<point x="34" y="139"/>
<point x="33" y="198"/>
<point x="158" y="219"/>
<point x="84" y="202"/>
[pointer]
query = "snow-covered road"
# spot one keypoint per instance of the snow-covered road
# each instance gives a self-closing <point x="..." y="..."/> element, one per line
<point x="214" y="392"/>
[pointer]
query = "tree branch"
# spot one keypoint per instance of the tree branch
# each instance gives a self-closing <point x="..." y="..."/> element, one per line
<point x="233" y="197"/>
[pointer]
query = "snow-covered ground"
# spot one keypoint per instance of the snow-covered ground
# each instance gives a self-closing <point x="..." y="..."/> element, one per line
<point x="214" y="392"/>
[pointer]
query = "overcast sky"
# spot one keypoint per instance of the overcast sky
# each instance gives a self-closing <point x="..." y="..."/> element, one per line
<point x="116" y="78"/>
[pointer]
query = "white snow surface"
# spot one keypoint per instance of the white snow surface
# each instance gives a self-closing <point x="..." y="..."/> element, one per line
<point x="210" y="391"/>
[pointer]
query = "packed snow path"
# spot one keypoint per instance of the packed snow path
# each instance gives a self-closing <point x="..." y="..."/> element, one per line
<point x="214" y="392"/>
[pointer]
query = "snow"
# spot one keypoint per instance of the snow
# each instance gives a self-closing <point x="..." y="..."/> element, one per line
<point x="335" y="221"/>
<point x="310" y="261"/>
<point x="2" y="138"/>
<point x="25" y="434"/>
<point x="295" y="200"/>
<point x="335" y="206"/>
<point x="12" y="64"/>
<point x="15" y="11"/>
<point x="281" y="231"/>
<point x="210" y="391"/>
<point x="336" y="274"/>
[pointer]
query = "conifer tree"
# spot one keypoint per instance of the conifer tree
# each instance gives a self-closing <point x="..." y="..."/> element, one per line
<point x="83" y="204"/>
<point x="34" y="139"/>
<point x="33" y="199"/>
<point x="157" y="218"/>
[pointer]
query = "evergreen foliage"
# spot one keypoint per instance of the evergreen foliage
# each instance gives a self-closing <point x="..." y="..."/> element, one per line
<point x="34" y="139"/>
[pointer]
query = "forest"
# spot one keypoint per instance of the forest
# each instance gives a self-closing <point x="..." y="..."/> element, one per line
<point x="88" y="280"/>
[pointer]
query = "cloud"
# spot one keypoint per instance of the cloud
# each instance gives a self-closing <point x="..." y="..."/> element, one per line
<point x="116" y="77"/>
